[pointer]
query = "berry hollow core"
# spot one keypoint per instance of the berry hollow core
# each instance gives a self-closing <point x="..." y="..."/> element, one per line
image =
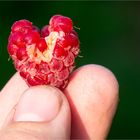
<point x="46" y="56"/>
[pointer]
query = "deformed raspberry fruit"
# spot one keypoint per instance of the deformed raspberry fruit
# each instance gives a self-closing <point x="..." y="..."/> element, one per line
<point x="47" y="56"/>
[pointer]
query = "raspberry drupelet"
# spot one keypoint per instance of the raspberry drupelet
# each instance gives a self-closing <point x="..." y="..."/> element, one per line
<point x="47" y="56"/>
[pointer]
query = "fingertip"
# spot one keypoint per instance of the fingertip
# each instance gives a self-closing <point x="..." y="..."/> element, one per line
<point x="47" y="108"/>
<point x="95" y="77"/>
<point x="93" y="96"/>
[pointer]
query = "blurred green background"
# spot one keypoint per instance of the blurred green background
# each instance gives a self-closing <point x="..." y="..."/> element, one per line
<point x="110" y="36"/>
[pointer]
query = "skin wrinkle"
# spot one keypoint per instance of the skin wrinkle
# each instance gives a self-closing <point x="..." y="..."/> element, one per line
<point x="20" y="134"/>
<point x="29" y="132"/>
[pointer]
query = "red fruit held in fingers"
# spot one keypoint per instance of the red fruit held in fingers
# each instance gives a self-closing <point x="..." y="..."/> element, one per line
<point x="44" y="56"/>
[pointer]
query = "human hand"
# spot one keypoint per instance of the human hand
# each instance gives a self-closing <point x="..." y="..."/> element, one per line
<point x="44" y="112"/>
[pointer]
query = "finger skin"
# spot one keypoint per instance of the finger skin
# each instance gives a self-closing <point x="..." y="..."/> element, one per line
<point x="93" y="96"/>
<point x="80" y="128"/>
<point x="57" y="128"/>
<point x="9" y="97"/>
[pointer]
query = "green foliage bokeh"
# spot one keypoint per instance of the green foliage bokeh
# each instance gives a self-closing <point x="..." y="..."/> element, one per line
<point x="109" y="34"/>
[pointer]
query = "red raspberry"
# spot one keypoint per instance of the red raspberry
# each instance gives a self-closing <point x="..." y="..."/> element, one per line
<point x="46" y="56"/>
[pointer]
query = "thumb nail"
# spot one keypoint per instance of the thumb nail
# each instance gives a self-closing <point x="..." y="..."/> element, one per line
<point x="38" y="104"/>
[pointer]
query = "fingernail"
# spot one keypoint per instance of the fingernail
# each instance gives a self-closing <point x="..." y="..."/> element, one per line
<point x="38" y="104"/>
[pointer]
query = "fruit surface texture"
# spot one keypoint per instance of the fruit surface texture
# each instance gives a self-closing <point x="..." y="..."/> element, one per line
<point x="46" y="56"/>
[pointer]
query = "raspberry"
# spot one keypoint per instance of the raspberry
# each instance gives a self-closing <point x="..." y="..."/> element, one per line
<point x="45" y="56"/>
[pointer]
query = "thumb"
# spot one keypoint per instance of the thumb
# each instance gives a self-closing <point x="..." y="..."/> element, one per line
<point x="42" y="113"/>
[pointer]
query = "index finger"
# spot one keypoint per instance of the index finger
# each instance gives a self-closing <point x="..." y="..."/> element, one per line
<point x="9" y="97"/>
